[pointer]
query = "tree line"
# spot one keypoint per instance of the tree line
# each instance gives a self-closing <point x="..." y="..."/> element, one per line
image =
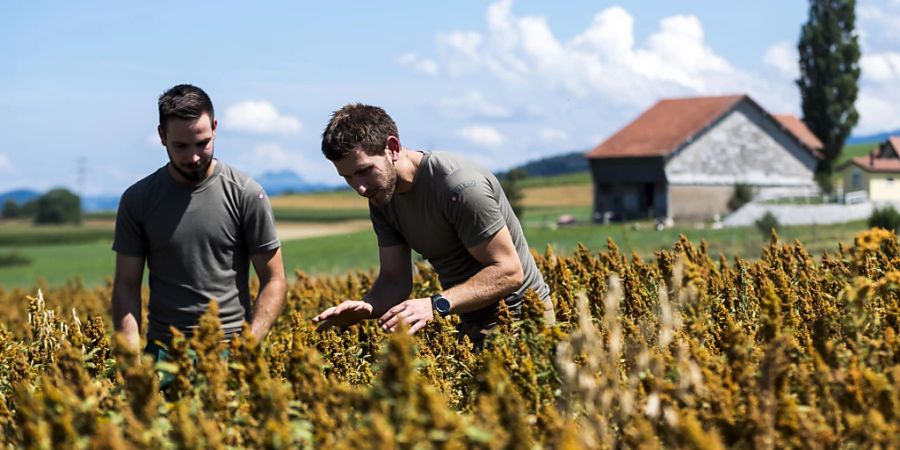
<point x="56" y="206"/>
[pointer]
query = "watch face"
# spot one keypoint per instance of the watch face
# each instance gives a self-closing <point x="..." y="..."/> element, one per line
<point x="440" y="304"/>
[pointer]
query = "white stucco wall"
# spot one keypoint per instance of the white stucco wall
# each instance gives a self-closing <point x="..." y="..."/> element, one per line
<point x="743" y="147"/>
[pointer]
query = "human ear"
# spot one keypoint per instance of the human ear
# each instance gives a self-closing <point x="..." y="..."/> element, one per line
<point x="393" y="146"/>
<point x="162" y="135"/>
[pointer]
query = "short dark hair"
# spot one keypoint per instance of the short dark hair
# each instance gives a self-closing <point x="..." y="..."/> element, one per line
<point x="357" y="125"/>
<point x="184" y="101"/>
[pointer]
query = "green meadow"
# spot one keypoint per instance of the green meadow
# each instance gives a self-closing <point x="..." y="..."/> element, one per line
<point x="54" y="255"/>
<point x="93" y="262"/>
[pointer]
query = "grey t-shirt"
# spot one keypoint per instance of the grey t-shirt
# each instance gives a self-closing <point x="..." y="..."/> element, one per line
<point x="197" y="242"/>
<point x="453" y="205"/>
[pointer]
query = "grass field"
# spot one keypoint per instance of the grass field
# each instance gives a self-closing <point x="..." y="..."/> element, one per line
<point x="56" y="254"/>
<point x="93" y="262"/>
<point x="20" y="233"/>
<point x="853" y="151"/>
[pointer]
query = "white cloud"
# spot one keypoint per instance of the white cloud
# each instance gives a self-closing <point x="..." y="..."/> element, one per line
<point x="603" y="60"/>
<point x="269" y="156"/>
<point x="5" y="165"/>
<point x="420" y="65"/>
<point x="876" y="114"/>
<point x="261" y="117"/>
<point x="879" y="94"/>
<point x="881" y="67"/>
<point x="472" y="104"/>
<point x="878" y="23"/>
<point x="482" y="135"/>
<point x="551" y="135"/>
<point x="784" y="57"/>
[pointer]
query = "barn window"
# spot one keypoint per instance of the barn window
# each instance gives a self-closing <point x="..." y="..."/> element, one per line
<point x="857" y="179"/>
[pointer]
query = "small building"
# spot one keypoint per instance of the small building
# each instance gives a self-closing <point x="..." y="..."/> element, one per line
<point x="682" y="158"/>
<point x="877" y="174"/>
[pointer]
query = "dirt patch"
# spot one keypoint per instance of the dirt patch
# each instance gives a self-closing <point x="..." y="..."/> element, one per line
<point x="321" y="200"/>
<point x="291" y="230"/>
<point x="571" y="195"/>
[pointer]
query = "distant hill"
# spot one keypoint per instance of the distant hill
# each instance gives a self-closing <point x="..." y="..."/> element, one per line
<point x="555" y="165"/>
<point x="100" y="203"/>
<point x="288" y="182"/>
<point x="20" y="196"/>
<point x="871" y="138"/>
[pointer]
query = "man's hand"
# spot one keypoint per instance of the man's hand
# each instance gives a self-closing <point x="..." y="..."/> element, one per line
<point x="347" y="313"/>
<point x="415" y="313"/>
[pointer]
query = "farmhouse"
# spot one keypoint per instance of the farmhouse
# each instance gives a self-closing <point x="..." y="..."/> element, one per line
<point x="878" y="174"/>
<point x="682" y="158"/>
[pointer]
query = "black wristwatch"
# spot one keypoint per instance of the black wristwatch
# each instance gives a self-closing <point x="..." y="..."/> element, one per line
<point x="440" y="305"/>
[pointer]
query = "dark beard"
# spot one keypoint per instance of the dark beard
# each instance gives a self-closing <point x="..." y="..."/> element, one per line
<point x="196" y="175"/>
<point x="391" y="185"/>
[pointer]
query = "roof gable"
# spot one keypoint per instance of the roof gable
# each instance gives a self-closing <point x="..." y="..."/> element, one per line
<point x="672" y="123"/>
<point x="799" y="130"/>
<point x="664" y="127"/>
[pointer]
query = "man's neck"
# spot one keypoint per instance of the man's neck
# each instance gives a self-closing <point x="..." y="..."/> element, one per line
<point x="407" y="167"/>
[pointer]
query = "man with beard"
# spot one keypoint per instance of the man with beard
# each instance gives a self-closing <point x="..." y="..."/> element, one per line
<point x="451" y="211"/>
<point x="197" y="223"/>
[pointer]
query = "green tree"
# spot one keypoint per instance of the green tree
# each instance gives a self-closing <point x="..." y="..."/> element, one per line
<point x="512" y="189"/>
<point x="11" y="209"/>
<point x="742" y="195"/>
<point x="767" y="223"/>
<point x="58" y="206"/>
<point x="887" y="218"/>
<point x="829" y="73"/>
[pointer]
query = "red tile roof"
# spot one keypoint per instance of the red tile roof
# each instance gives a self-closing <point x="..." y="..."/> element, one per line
<point x="799" y="129"/>
<point x="894" y="141"/>
<point x="664" y="127"/>
<point x="881" y="165"/>
<point x="670" y="123"/>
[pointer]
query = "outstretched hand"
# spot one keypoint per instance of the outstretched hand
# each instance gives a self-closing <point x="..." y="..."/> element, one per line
<point x="347" y="313"/>
<point x="415" y="313"/>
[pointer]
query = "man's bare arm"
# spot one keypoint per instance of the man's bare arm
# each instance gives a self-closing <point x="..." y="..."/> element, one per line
<point x="394" y="282"/>
<point x="393" y="285"/>
<point x="502" y="275"/>
<point x="126" y="298"/>
<point x="269" y="268"/>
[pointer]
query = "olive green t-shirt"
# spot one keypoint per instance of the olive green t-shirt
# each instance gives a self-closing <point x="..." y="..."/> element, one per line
<point x="197" y="243"/>
<point x="453" y="205"/>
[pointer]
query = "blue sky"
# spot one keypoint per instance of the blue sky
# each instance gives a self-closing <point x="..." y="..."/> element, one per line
<point x="503" y="82"/>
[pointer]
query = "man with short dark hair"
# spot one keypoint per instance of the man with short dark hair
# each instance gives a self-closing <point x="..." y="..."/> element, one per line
<point x="198" y="224"/>
<point x="448" y="209"/>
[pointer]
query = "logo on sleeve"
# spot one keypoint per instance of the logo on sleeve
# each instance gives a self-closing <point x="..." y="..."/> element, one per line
<point x="456" y="191"/>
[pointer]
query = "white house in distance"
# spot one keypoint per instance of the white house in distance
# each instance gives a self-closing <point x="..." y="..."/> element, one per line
<point x="877" y="174"/>
<point x="682" y="158"/>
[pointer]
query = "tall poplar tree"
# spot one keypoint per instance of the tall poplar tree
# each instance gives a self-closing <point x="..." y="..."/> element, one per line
<point x="829" y="72"/>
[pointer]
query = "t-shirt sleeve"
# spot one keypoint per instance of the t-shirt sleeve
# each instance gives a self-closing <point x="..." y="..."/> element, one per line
<point x="473" y="207"/>
<point x="259" y="221"/>
<point x="129" y="238"/>
<point x="387" y="235"/>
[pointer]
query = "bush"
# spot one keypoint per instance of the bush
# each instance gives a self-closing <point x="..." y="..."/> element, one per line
<point x="14" y="259"/>
<point x="742" y="195"/>
<point x="767" y="223"/>
<point x="11" y="209"/>
<point x="887" y="218"/>
<point x="512" y="189"/>
<point x="58" y="206"/>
